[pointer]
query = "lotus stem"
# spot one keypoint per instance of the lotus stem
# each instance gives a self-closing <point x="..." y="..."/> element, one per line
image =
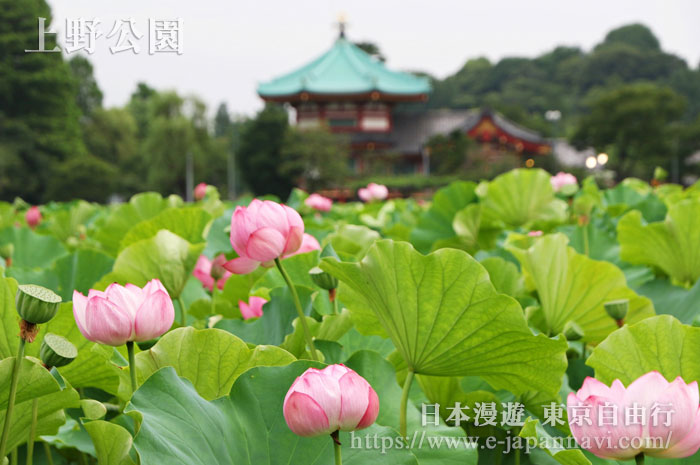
<point x="132" y="365"/>
<point x="300" y="311"/>
<point x="47" y="450"/>
<point x="334" y="300"/>
<point x="404" y="403"/>
<point x="336" y="446"/>
<point x="11" y="399"/>
<point x="213" y="299"/>
<point x="183" y="313"/>
<point x="32" y="432"/>
<point x="639" y="458"/>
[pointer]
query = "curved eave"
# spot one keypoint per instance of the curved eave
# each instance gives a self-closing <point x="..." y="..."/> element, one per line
<point x="372" y="95"/>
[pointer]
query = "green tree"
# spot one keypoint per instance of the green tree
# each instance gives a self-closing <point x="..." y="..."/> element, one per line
<point x="82" y="177"/>
<point x="228" y="134"/>
<point x="139" y="107"/>
<point x="39" y="117"/>
<point x="448" y="152"/>
<point x="371" y="49"/>
<point x="260" y="152"/>
<point x="314" y="158"/>
<point x="112" y="136"/>
<point x="635" y="35"/>
<point x="89" y="95"/>
<point x="636" y="122"/>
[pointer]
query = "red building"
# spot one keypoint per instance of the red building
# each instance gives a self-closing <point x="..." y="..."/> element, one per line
<point x="352" y="92"/>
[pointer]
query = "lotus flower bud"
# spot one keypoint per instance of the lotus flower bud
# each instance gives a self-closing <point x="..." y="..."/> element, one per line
<point x="33" y="217"/>
<point x="124" y="313"/>
<point x="200" y="191"/>
<point x="318" y="202"/>
<point x="323" y="279"/>
<point x="36" y="304"/>
<point x="572" y="331"/>
<point x="564" y="182"/>
<point x="253" y="308"/>
<point x="211" y="271"/>
<point x="665" y="420"/>
<point x="617" y="309"/>
<point x="373" y="192"/>
<point x="660" y="174"/>
<point x="57" y="351"/>
<point x="263" y="232"/>
<point x="324" y="401"/>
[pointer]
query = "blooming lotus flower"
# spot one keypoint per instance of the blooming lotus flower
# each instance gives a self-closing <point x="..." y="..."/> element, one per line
<point x="535" y="233"/>
<point x="262" y="232"/>
<point x="324" y="401"/>
<point x="124" y="313"/>
<point x="373" y="192"/>
<point x="318" y="202"/>
<point x="252" y="308"/>
<point x="211" y="271"/>
<point x="676" y="434"/>
<point x="562" y="179"/>
<point x="33" y="217"/>
<point x="200" y="191"/>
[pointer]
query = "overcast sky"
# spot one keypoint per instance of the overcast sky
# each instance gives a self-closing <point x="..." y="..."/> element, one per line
<point x="229" y="46"/>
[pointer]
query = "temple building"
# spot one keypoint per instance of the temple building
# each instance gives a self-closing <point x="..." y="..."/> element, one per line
<point x="353" y="92"/>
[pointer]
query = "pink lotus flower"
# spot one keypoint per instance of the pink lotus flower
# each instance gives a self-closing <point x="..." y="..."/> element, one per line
<point x="535" y="233"/>
<point x="33" y="217"/>
<point x="373" y="192"/>
<point x="262" y="232"/>
<point x="308" y="244"/>
<point x="324" y="401"/>
<point x="318" y="202"/>
<point x="210" y="271"/>
<point x="253" y="308"/>
<point x="562" y="179"/>
<point x="200" y="191"/>
<point x="665" y="418"/>
<point x="124" y="313"/>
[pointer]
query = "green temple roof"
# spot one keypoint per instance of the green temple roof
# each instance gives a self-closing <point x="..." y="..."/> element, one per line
<point x="345" y="69"/>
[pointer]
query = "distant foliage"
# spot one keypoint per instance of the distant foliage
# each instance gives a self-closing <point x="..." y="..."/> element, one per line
<point x="260" y="152"/>
<point x="39" y="117"/>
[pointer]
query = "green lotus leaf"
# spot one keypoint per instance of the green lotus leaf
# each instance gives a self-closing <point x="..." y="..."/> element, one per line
<point x="140" y="207"/>
<point x="244" y="428"/>
<point x="165" y="256"/>
<point x="673" y="245"/>
<point x="661" y="344"/>
<point x="445" y="317"/>
<point x="190" y="223"/>
<point x="35" y="382"/>
<point x="435" y="224"/>
<point x="211" y="359"/>
<point x="573" y="287"/>
<point x="521" y="196"/>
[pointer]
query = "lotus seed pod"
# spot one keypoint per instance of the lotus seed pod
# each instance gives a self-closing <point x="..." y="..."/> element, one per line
<point x="36" y="304"/>
<point x="573" y="332"/>
<point x="7" y="250"/>
<point x="617" y="309"/>
<point x="57" y="351"/>
<point x="323" y="279"/>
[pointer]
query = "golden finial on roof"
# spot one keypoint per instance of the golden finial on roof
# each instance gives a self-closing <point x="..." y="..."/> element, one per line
<point x="342" y="22"/>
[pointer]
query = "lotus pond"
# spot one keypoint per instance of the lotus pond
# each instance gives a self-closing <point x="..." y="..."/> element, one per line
<point x="529" y="319"/>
